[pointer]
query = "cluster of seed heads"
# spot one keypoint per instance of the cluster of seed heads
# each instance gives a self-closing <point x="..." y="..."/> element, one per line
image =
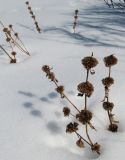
<point x="75" y="20"/>
<point x="12" y="38"/>
<point x="109" y="61"/>
<point x="84" y="116"/>
<point x="33" y="17"/>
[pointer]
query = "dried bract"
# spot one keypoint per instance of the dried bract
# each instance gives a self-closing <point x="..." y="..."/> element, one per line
<point x="80" y="143"/>
<point x="108" y="106"/>
<point x="113" y="127"/>
<point x="72" y="127"/>
<point x="84" y="116"/>
<point x="66" y="111"/>
<point x="96" y="147"/>
<point x="108" y="81"/>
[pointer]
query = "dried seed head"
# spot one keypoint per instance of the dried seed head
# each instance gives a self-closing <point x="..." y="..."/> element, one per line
<point x="27" y="2"/>
<point x="46" y="69"/>
<point x="113" y="127"/>
<point x="86" y="88"/>
<point x="84" y="116"/>
<point x="36" y="23"/>
<point x="75" y="23"/>
<point x="80" y="143"/>
<point x="66" y="111"/>
<point x="51" y="76"/>
<point x="108" y="106"/>
<point x="5" y="29"/>
<point x="110" y="60"/>
<point x="89" y="62"/>
<point x="13" y="61"/>
<point x="108" y="81"/>
<point x="96" y="147"/>
<point x="75" y="17"/>
<point x="38" y="29"/>
<point x="8" y="39"/>
<point x="13" y="53"/>
<point x="16" y="34"/>
<point x="29" y="8"/>
<point x="72" y="127"/>
<point x="60" y="89"/>
<point x="76" y="11"/>
<point x="31" y="12"/>
<point x="33" y="17"/>
<point x="10" y="26"/>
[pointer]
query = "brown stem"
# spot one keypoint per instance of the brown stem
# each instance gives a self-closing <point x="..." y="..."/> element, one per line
<point x="83" y="138"/>
<point x="87" y="75"/>
<point x="6" y="52"/>
<point x="109" y="117"/>
<point x="85" y="108"/>
<point x="86" y="126"/>
<point x="67" y="98"/>
<point x="109" y="71"/>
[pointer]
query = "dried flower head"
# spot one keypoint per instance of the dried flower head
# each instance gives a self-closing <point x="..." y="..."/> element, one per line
<point x="86" y="88"/>
<point x="51" y="76"/>
<point x="110" y="60"/>
<point x="76" y="11"/>
<point x="108" y="81"/>
<point x="60" y="90"/>
<point x="84" y="116"/>
<point x="10" y="26"/>
<point x="72" y="127"/>
<point x="89" y="62"/>
<point x="46" y="69"/>
<point x="27" y="2"/>
<point x="8" y="39"/>
<point x="13" y="60"/>
<point x="66" y="111"/>
<point x="80" y="143"/>
<point x="113" y="127"/>
<point x="13" y="53"/>
<point x="96" y="147"/>
<point x="5" y="29"/>
<point x="108" y="106"/>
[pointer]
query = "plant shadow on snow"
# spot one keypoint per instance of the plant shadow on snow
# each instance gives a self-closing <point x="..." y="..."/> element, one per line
<point x="54" y="127"/>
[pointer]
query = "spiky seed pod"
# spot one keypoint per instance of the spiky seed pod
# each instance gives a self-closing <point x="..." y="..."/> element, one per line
<point x="27" y="2"/>
<point x="13" y="61"/>
<point x="5" y="29"/>
<point x="108" y="81"/>
<point x="60" y="89"/>
<point x="51" y="76"/>
<point x="76" y="11"/>
<point x="84" y="116"/>
<point x="110" y="60"/>
<point x="72" y="127"/>
<point x="8" y="39"/>
<point x="80" y="143"/>
<point x="13" y="53"/>
<point x="16" y="34"/>
<point x="86" y="88"/>
<point x="113" y="127"/>
<point x="96" y="147"/>
<point x="89" y="62"/>
<point x="46" y="69"/>
<point x="108" y="106"/>
<point x="66" y="111"/>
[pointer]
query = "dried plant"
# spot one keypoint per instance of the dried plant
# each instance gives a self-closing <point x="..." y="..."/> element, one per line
<point x="109" y="61"/>
<point x="114" y="3"/>
<point x="33" y="17"/>
<point x="12" y="59"/>
<point x="84" y="116"/>
<point x="13" y="39"/>
<point x="75" y="20"/>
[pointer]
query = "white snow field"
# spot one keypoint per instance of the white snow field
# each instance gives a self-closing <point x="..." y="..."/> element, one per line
<point x="32" y="126"/>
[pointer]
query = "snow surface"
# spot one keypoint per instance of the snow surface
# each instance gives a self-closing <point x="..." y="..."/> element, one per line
<point x="32" y="126"/>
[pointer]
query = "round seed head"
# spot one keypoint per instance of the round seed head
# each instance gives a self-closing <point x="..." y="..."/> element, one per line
<point x="84" y="116"/>
<point x="60" y="89"/>
<point x="29" y="8"/>
<point x="13" y="53"/>
<point x="89" y="62"/>
<point x="86" y="88"/>
<point x="80" y="143"/>
<point x="27" y="2"/>
<point x="72" y="127"/>
<point x="108" y="81"/>
<point x="5" y="29"/>
<point x="108" y="106"/>
<point x="113" y="127"/>
<point x="10" y="26"/>
<point x="13" y="61"/>
<point x="110" y="61"/>
<point x="66" y="111"/>
<point x="51" y="76"/>
<point x="76" y="11"/>
<point x="8" y="39"/>
<point x="96" y="147"/>
<point x="46" y="69"/>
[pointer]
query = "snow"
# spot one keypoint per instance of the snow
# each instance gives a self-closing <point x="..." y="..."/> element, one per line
<point x="32" y="126"/>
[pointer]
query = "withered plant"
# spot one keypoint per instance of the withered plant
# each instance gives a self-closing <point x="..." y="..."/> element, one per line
<point x="108" y="81"/>
<point x="33" y="17"/>
<point x="83" y="116"/>
<point x="75" y="20"/>
<point x="12" y="58"/>
<point x="115" y="3"/>
<point x="12" y="38"/>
